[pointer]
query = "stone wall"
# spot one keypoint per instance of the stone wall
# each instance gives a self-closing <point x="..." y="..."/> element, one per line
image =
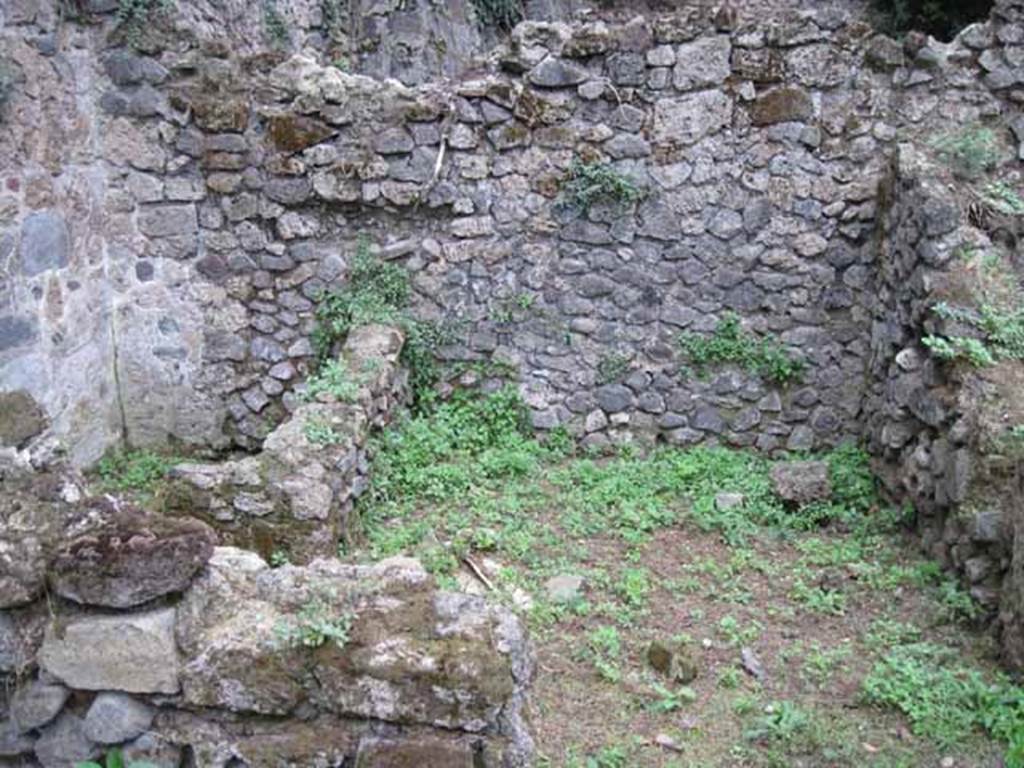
<point x="237" y="188"/>
<point x="151" y="640"/>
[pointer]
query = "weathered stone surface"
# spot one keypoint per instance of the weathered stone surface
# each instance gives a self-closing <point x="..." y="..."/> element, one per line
<point x="782" y="105"/>
<point x="463" y="664"/>
<point x="63" y="743"/>
<point x="557" y="73"/>
<point x="131" y="561"/>
<point x="427" y="750"/>
<point x="13" y="742"/>
<point x="17" y="331"/>
<point x="45" y="242"/>
<point x="114" y="718"/>
<point x="294" y="133"/>
<point x="688" y="119"/>
<point x="36" y="704"/>
<point x="802" y="482"/>
<point x="702" y="63"/>
<point x="21" y="418"/>
<point x="133" y="652"/>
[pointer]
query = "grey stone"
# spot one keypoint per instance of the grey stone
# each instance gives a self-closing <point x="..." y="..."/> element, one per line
<point x="36" y="704"/>
<point x="627" y="68"/>
<point x="133" y="652"/>
<point x="689" y="119"/>
<point x="125" y="68"/>
<point x="702" y="63"/>
<point x="707" y="419"/>
<point x="614" y="398"/>
<point x="564" y="588"/>
<point x="114" y="718"/>
<point x="168" y="220"/>
<point x="802" y="482"/>
<point x="45" y="243"/>
<point x="394" y="141"/>
<point x="751" y="664"/>
<point x="13" y="743"/>
<point x="727" y="500"/>
<point x="987" y="527"/>
<point x="63" y="743"/>
<point x="557" y="73"/>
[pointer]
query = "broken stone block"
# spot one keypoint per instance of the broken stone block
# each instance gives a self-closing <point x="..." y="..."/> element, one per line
<point x="801" y="482"/>
<point x="132" y="561"/>
<point x="133" y="652"/>
<point x="674" y="660"/>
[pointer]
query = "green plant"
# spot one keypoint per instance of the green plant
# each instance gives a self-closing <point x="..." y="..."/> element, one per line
<point x="316" y="623"/>
<point x="604" y="649"/>
<point x="498" y="14"/>
<point x="782" y="721"/>
<point x="590" y="182"/>
<point x="612" y="367"/>
<point x="730" y="343"/>
<point x="945" y="700"/>
<point x="134" y="16"/>
<point x="139" y="472"/>
<point x="819" y="599"/>
<point x="379" y="292"/>
<point x="998" y="321"/>
<point x="114" y="759"/>
<point x="333" y="378"/>
<point x="667" y="700"/>
<point x="1003" y="198"/>
<point x="274" y="24"/>
<point x="279" y="558"/>
<point x="321" y="432"/>
<point x="970" y="152"/>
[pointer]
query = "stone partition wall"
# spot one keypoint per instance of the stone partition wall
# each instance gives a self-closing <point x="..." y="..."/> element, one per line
<point x="234" y="186"/>
<point x="152" y="641"/>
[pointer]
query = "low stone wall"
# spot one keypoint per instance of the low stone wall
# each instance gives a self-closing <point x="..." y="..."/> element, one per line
<point x="152" y="641"/>
<point x="294" y="499"/>
<point x="939" y="430"/>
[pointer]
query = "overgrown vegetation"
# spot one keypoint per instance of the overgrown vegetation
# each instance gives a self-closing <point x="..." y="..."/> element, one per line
<point x="969" y="152"/>
<point x="466" y="482"/>
<point x="378" y="292"/>
<point x="591" y="182"/>
<point x="941" y="18"/>
<point x="137" y="473"/>
<point x="501" y="15"/>
<point x="995" y="319"/>
<point x="730" y="343"/>
<point x="945" y="701"/>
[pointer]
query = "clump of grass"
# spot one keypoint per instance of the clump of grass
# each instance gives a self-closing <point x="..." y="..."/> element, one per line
<point x="139" y="473"/>
<point x="969" y="152"/>
<point x="946" y="701"/>
<point x="995" y="319"/>
<point x="316" y="623"/>
<point x="730" y="343"/>
<point x="592" y="182"/>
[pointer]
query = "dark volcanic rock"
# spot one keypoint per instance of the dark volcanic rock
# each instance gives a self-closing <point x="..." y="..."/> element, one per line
<point x="802" y="482"/>
<point x="131" y="561"/>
